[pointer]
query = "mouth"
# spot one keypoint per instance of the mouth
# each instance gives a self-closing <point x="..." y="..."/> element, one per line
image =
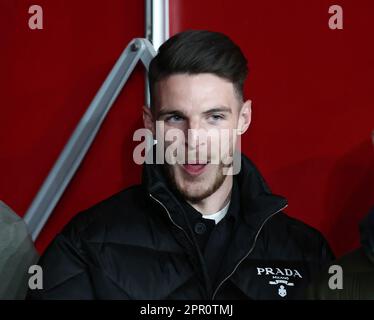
<point x="195" y="169"/>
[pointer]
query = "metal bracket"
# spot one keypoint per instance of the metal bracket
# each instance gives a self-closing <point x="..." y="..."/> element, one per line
<point x="84" y="134"/>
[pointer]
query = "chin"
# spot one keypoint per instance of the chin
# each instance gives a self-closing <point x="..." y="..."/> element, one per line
<point x="191" y="190"/>
<point x="195" y="188"/>
<point x="194" y="195"/>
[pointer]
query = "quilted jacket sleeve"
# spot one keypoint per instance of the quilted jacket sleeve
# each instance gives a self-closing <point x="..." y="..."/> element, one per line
<point x="65" y="274"/>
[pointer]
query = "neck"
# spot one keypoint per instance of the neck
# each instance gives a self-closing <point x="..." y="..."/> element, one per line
<point x="216" y="201"/>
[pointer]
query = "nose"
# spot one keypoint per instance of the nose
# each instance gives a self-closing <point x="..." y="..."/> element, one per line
<point x="193" y="134"/>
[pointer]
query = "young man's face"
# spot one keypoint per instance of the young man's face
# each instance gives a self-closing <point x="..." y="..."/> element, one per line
<point x="205" y="109"/>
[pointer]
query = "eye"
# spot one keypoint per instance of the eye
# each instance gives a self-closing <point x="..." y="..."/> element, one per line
<point x="216" y="117"/>
<point x="174" y="118"/>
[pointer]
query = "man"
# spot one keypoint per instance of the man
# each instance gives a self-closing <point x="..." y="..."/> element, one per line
<point x="192" y="229"/>
<point x="17" y="253"/>
<point x="352" y="276"/>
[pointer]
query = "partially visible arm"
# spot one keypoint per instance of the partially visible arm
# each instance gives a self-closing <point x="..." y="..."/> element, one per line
<point x="65" y="272"/>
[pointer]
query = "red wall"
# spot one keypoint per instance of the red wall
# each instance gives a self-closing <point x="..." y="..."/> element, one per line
<point x="311" y="87"/>
<point x="48" y="78"/>
<point x="312" y="92"/>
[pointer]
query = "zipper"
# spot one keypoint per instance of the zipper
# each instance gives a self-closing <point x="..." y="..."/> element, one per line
<point x="248" y="253"/>
<point x="206" y="278"/>
<point x="167" y="211"/>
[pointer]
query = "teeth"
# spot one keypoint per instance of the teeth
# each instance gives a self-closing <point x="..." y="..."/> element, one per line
<point x="196" y="164"/>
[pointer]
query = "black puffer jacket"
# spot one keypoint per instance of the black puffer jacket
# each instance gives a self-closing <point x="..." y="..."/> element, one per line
<point x="357" y="270"/>
<point x="134" y="245"/>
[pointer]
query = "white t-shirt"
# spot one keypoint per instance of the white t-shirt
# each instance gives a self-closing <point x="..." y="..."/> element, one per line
<point x="218" y="216"/>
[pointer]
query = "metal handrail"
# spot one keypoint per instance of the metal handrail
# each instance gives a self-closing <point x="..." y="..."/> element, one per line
<point x="76" y="148"/>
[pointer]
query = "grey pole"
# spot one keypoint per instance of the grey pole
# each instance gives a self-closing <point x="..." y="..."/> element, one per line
<point x="84" y="134"/>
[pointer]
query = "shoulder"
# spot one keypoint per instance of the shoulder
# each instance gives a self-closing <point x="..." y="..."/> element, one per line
<point x="283" y="223"/>
<point x="124" y="208"/>
<point x="299" y="236"/>
<point x="357" y="272"/>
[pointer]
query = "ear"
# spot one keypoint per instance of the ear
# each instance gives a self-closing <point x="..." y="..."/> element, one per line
<point x="148" y="120"/>
<point x="245" y="117"/>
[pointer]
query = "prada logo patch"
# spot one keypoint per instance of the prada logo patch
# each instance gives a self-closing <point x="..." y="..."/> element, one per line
<point x="281" y="278"/>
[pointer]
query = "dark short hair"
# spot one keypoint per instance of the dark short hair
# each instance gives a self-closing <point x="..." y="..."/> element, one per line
<point x="199" y="51"/>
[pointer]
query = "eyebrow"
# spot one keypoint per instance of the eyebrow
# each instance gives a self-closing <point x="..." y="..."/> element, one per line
<point x="218" y="109"/>
<point x="179" y="113"/>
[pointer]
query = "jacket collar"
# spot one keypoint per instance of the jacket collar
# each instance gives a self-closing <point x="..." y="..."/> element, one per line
<point x="257" y="203"/>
